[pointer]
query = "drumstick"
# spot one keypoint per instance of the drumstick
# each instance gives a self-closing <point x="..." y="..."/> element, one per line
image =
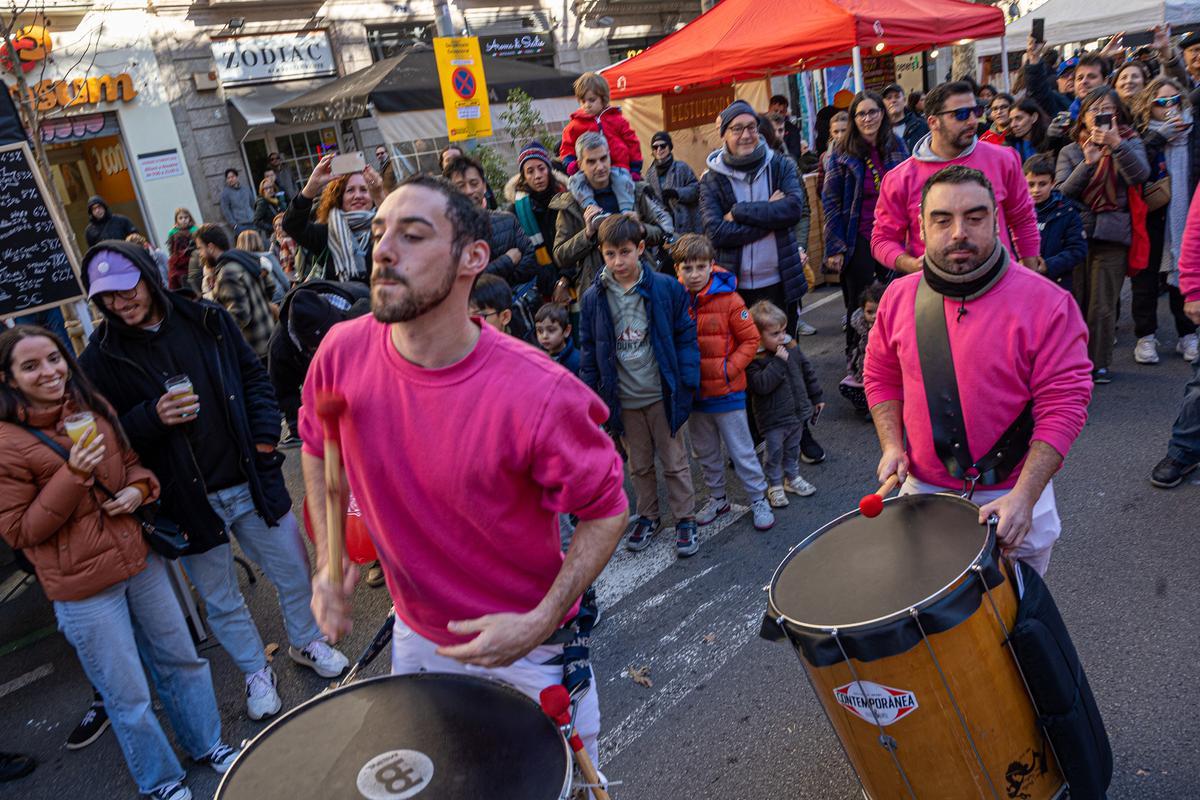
<point x="556" y="703"/>
<point x="872" y="504"/>
<point x="330" y="406"/>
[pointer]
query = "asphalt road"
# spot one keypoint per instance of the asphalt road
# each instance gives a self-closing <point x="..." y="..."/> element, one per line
<point x="729" y="715"/>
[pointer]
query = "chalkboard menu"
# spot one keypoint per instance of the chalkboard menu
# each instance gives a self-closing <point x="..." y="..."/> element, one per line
<point x="36" y="269"/>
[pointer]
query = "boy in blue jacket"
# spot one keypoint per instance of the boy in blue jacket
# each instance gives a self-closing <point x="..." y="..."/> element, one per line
<point x="639" y="352"/>
<point x="553" y="326"/>
<point x="1063" y="244"/>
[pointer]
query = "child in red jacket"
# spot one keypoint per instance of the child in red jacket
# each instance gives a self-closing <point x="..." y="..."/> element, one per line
<point x="624" y="149"/>
<point x="728" y="341"/>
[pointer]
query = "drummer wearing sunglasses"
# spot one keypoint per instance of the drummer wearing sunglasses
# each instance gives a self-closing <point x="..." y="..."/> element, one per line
<point x="1020" y="371"/>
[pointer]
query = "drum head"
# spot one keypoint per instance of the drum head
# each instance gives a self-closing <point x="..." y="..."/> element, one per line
<point x="859" y="570"/>
<point x="427" y="736"/>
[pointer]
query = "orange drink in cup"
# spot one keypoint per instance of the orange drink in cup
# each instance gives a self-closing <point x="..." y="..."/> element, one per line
<point x="80" y="426"/>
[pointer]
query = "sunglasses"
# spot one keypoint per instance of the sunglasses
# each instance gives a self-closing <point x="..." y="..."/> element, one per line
<point x="1167" y="102"/>
<point x="964" y="114"/>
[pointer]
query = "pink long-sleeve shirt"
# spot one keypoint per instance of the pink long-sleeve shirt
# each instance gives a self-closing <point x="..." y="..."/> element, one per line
<point x="1024" y="339"/>
<point x="461" y="472"/>
<point x="898" y="211"/>
<point x="1189" y="253"/>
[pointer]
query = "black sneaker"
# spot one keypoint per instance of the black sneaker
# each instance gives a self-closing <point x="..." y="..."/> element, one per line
<point x="1169" y="473"/>
<point x="811" y="451"/>
<point x="176" y="791"/>
<point x="686" y="541"/>
<point x="639" y="536"/>
<point x="1101" y="376"/>
<point x="220" y="758"/>
<point x="94" y="723"/>
<point x="15" y="765"/>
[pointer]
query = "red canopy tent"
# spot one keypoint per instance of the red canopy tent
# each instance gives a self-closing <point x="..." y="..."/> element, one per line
<point x="740" y="40"/>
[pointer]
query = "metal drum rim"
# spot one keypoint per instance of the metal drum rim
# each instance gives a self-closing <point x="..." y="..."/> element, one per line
<point x="778" y="614"/>
<point x="327" y="695"/>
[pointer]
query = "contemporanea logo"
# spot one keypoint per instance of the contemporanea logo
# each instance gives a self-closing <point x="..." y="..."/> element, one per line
<point x="874" y="702"/>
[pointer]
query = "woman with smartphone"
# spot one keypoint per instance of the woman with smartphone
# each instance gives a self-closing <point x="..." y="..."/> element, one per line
<point x="1164" y="118"/>
<point x="1105" y="157"/>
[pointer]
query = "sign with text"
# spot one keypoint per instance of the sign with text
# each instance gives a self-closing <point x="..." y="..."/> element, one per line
<point x="878" y="72"/>
<point x="36" y="268"/>
<point x="517" y="44"/>
<point x="160" y="164"/>
<point x="464" y="87"/>
<point x="910" y="72"/>
<point x="689" y="109"/>
<point x="273" y="57"/>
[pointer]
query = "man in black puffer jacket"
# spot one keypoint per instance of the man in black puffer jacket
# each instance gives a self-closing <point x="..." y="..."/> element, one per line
<point x="513" y="256"/>
<point x="103" y="224"/>
<point x="213" y="449"/>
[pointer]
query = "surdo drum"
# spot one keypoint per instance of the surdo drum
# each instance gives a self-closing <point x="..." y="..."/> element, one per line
<point x="901" y="624"/>
<point x="427" y="736"/>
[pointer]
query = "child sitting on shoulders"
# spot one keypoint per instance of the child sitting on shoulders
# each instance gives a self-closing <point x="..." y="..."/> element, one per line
<point x="595" y="114"/>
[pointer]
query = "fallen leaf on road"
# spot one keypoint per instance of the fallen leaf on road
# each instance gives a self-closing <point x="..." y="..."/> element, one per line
<point x="1141" y="773"/>
<point x="641" y="676"/>
<point x="270" y="650"/>
<point x="709" y="638"/>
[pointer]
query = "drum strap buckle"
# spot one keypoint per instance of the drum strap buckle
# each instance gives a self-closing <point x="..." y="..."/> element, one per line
<point x="970" y="479"/>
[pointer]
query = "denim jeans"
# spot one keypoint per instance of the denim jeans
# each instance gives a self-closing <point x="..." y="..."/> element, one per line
<point x="1185" y="435"/>
<point x="620" y="181"/>
<point x="108" y="631"/>
<point x="280" y="552"/>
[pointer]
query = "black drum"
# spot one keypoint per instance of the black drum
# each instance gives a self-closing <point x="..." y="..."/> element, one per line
<point x="429" y="736"/>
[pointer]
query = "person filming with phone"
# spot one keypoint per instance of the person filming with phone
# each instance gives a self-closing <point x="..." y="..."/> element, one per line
<point x="1105" y="157"/>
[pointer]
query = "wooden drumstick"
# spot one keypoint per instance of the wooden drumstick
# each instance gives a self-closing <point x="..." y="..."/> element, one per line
<point x="556" y="703"/>
<point x="330" y="406"/>
<point x="872" y="504"/>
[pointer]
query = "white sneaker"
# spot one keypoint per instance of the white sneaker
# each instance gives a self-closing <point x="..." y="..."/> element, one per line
<point x="713" y="507"/>
<point x="764" y="518"/>
<point x="320" y="658"/>
<point x="798" y="485"/>
<point x="261" y="698"/>
<point x="804" y="329"/>
<point x="175" y="791"/>
<point x="1189" y="347"/>
<point x="1146" y="350"/>
<point x="776" y="497"/>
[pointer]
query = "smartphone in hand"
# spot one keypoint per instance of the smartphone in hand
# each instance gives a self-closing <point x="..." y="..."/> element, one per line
<point x="347" y="164"/>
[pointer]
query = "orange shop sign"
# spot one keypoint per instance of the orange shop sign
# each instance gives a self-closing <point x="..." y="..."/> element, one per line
<point x="33" y="45"/>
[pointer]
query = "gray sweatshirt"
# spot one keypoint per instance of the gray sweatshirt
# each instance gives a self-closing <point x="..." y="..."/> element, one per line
<point x="638" y="382"/>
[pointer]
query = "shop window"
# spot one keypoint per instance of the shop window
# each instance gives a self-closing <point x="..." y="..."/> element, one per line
<point x="628" y="47"/>
<point x="390" y="40"/>
<point x="303" y="150"/>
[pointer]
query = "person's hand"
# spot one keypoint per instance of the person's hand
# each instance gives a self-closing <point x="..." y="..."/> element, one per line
<point x="589" y="218"/>
<point x="84" y="458"/>
<point x="728" y="216"/>
<point x="126" y="501"/>
<point x="781" y="352"/>
<point x="1057" y="127"/>
<point x="906" y="263"/>
<point x="176" y="409"/>
<point x="322" y="175"/>
<point x="894" y="461"/>
<point x="1033" y="51"/>
<point x="1015" y="511"/>
<point x="1162" y="42"/>
<point x="1091" y="152"/>
<point x="514" y="255"/>
<point x="1192" y="310"/>
<point x="375" y="185"/>
<point x="669" y="194"/>
<point x="776" y="195"/>
<point x="331" y="604"/>
<point x="1113" y="46"/>
<point x="817" y="409"/>
<point x="834" y="262"/>
<point x="1040" y="266"/>
<point x="1107" y="137"/>
<point x="502" y="639"/>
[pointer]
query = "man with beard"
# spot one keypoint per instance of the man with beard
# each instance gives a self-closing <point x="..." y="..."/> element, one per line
<point x="999" y="416"/>
<point x="462" y="446"/>
<point x="953" y="114"/>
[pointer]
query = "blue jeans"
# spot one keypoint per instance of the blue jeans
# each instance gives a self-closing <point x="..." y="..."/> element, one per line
<point x="1185" y="435"/>
<point x="280" y="552"/>
<point x="620" y="181"/>
<point x="108" y="631"/>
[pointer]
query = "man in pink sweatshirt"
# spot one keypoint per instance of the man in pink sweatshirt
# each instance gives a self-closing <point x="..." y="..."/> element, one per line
<point x="953" y="114"/>
<point x="1183" y="453"/>
<point x="1019" y="351"/>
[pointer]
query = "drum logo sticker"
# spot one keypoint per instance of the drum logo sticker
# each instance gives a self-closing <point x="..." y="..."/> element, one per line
<point x="875" y="702"/>
<point x="395" y="775"/>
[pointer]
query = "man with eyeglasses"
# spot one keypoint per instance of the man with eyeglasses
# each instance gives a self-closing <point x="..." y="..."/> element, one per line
<point x="751" y="200"/>
<point x="953" y="114"/>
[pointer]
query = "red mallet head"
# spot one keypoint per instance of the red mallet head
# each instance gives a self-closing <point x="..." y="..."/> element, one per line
<point x="871" y="505"/>
<point x="330" y="407"/>
<point x="556" y="703"/>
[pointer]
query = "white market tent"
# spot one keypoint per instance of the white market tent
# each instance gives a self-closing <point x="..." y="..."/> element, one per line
<point x="1085" y="20"/>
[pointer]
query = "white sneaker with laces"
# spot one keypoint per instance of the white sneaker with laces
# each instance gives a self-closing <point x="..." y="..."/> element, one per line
<point x="798" y="485"/>
<point x="776" y="497"/>
<point x="804" y="329"/>
<point x="713" y="507"/>
<point x="320" y="658"/>
<point x="220" y="758"/>
<point x="176" y="791"/>
<point x="1146" y="350"/>
<point x="764" y="517"/>
<point x="261" y="698"/>
<point x="1189" y="347"/>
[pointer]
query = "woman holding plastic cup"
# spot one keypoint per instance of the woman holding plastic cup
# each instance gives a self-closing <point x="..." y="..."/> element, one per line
<point x="92" y="561"/>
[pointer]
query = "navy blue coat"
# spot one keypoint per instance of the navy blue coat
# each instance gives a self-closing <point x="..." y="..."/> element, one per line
<point x="673" y="336"/>
<point x="752" y="220"/>
<point x="842" y="194"/>
<point x="1063" y="243"/>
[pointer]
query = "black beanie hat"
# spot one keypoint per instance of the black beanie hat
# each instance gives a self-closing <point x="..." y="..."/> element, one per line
<point x="664" y="137"/>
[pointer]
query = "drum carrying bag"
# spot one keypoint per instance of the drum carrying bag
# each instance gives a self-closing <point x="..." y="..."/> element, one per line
<point x="1067" y="707"/>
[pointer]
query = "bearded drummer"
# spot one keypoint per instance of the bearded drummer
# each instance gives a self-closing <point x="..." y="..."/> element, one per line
<point x="977" y="371"/>
<point x="462" y="446"/>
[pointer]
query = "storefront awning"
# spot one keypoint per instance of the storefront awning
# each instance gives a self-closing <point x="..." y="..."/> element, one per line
<point x="251" y="105"/>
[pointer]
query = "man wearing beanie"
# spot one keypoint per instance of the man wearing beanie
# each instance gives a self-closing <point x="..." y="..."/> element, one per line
<point x="675" y="185"/>
<point x="530" y="192"/>
<point x="751" y="201"/>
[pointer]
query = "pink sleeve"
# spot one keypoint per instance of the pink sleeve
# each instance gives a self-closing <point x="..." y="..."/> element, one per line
<point x="1019" y="212"/>
<point x="891" y="221"/>
<point x="882" y="376"/>
<point x="573" y="460"/>
<point x="1061" y="381"/>
<point x="1189" y="255"/>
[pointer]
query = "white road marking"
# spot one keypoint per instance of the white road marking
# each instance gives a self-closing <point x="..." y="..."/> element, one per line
<point x="26" y="679"/>
<point x="832" y="296"/>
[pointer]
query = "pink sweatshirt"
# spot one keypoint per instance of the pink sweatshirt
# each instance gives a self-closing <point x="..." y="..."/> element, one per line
<point x="898" y="211"/>
<point x="1025" y="338"/>
<point x="461" y="472"/>
<point x="1189" y="253"/>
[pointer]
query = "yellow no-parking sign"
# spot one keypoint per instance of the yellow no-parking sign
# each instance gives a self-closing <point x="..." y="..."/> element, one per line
<point x="464" y="87"/>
